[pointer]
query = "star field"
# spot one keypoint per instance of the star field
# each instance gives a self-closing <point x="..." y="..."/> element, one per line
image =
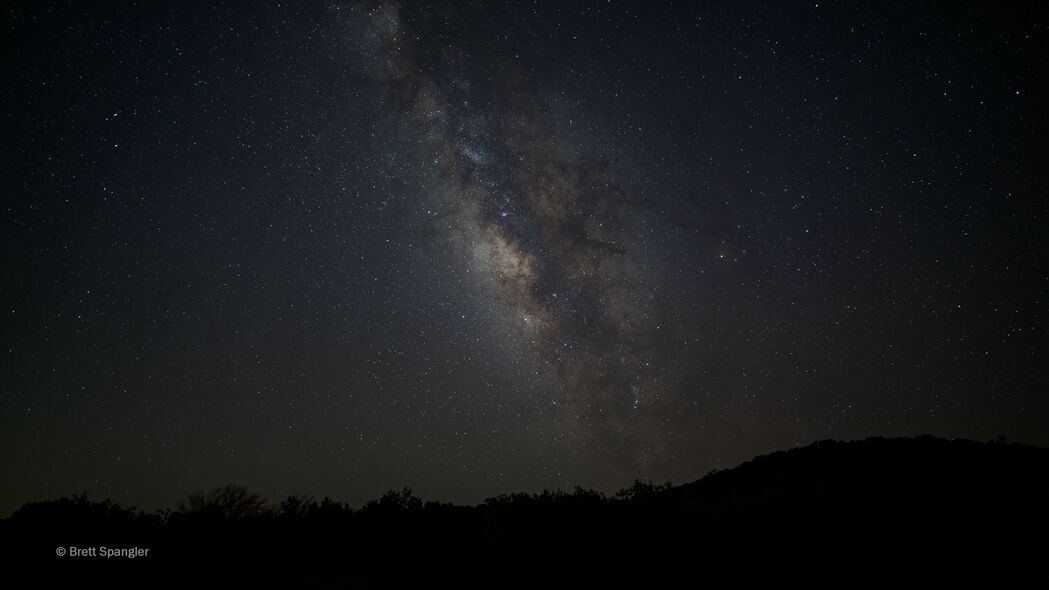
<point x="336" y="248"/>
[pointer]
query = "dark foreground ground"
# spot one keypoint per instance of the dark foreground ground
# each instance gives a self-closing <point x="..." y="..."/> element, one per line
<point x="873" y="513"/>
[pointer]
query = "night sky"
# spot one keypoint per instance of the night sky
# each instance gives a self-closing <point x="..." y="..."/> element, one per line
<point x="482" y="247"/>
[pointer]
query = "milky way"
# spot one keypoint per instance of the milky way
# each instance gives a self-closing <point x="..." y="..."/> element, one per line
<point x="551" y="227"/>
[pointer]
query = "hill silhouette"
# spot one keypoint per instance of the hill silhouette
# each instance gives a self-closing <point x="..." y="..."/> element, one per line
<point x="843" y="514"/>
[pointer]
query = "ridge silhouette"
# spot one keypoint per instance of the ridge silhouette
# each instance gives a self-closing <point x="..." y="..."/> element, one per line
<point x="844" y="514"/>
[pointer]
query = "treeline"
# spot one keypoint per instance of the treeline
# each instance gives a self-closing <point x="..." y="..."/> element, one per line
<point x="859" y="514"/>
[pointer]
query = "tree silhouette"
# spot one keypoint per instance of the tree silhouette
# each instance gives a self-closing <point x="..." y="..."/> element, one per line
<point x="394" y="501"/>
<point x="958" y="513"/>
<point x="227" y="502"/>
<point x="642" y="489"/>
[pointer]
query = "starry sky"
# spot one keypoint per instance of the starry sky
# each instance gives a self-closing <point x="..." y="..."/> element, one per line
<point x="481" y="247"/>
